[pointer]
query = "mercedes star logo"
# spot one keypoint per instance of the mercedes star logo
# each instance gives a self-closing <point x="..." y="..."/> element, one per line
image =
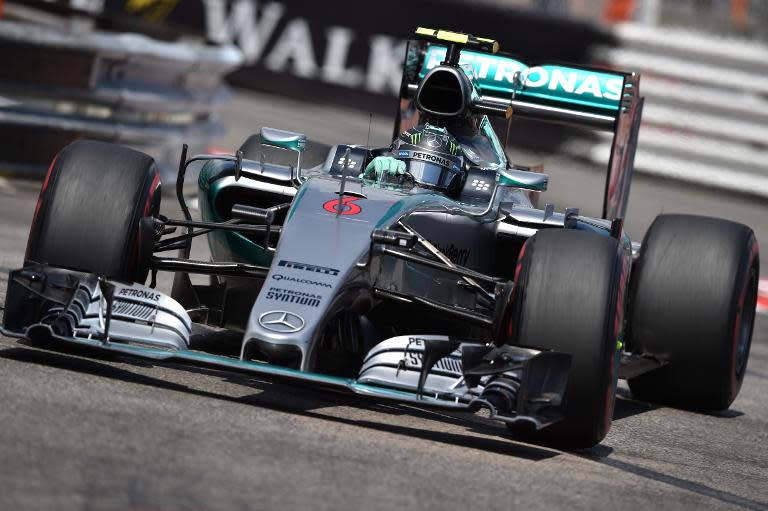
<point x="281" y="321"/>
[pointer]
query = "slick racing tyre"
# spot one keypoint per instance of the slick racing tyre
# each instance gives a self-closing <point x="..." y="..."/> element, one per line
<point x="313" y="155"/>
<point x="569" y="297"/>
<point x="90" y="210"/>
<point x="693" y="298"/>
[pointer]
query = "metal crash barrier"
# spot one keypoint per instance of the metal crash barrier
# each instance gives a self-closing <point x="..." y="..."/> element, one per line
<point x="58" y="84"/>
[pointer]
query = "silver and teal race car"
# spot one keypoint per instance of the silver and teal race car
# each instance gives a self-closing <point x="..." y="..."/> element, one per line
<point x="386" y="285"/>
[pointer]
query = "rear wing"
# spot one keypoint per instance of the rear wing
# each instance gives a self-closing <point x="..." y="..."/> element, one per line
<point x="575" y="95"/>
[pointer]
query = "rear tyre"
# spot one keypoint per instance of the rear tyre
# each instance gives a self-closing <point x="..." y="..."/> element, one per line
<point x="693" y="296"/>
<point x="314" y="153"/>
<point x="569" y="298"/>
<point x="93" y="210"/>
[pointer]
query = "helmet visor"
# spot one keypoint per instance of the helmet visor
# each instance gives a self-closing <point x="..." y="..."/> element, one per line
<point x="433" y="175"/>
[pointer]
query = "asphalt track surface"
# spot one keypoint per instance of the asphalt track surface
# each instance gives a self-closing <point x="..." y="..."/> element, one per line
<point x="85" y="432"/>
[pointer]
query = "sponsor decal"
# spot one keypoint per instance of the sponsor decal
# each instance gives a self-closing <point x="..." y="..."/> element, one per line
<point x="480" y="185"/>
<point x="446" y="162"/>
<point x="135" y="310"/>
<point x="308" y="267"/>
<point x="457" y="255"/>
<point x="290" y="296"/>
<point x="296" y="280"/>
<point x="434" y="158"/>
<point x="447" y="364"/>
<point x="283" y="322"/>
<point x="348" y="206"/>
<point x="351" y="164"/>
<point x="436" y="138"/>
<point x="269" y="36"/>
<point x="413" y="359"/>
<point x="139" y="293"/>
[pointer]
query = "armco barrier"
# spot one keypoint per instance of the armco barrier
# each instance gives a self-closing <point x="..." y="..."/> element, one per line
<point x="61" y="85"/>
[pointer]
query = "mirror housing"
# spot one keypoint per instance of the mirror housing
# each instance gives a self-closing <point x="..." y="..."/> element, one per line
<point x="282" y="139"/>
<point x="527" y="180"/>
<point x="290" y="141"/>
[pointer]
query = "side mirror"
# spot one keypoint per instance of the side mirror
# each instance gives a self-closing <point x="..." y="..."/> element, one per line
<point x="524" y="179"/>
<point x="286" y="140"/>
<point x="283" y="139"/>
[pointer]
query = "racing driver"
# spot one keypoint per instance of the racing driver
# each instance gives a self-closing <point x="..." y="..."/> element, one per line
<point x="430" y="154"/>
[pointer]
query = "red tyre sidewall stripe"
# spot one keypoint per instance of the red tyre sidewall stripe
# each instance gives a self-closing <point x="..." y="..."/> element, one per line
<point x="34" y="227"/>
<point x="151" y="198"/>
<point x="133" y="253"/>
<point x="518" y="270"/>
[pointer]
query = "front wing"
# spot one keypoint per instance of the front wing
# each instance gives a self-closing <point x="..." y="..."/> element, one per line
<point x="56" y="308"/>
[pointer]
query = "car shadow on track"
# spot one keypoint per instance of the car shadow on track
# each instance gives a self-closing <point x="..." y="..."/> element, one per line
<point x="628" y="406"/>
<point x="600" y="454"/>
<point x="280" y="397"/>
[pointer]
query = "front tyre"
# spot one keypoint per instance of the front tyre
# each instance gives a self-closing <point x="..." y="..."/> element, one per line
<point x="568" y="297"/>
<point x="90" y="210"/>
<point x="693" y="296"/>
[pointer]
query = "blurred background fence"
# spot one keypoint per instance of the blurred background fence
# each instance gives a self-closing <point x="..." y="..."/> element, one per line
<point x="71" y="70"/>
<point x="705" y="119"/>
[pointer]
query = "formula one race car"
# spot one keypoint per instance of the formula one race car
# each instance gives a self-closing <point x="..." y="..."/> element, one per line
<point x="436" y="284"/>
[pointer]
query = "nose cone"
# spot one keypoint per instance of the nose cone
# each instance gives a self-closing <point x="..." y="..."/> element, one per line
<point x="314" y="274"/>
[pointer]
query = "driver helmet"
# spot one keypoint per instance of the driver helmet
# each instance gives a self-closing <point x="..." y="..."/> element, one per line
<point x="432" y="156"/>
